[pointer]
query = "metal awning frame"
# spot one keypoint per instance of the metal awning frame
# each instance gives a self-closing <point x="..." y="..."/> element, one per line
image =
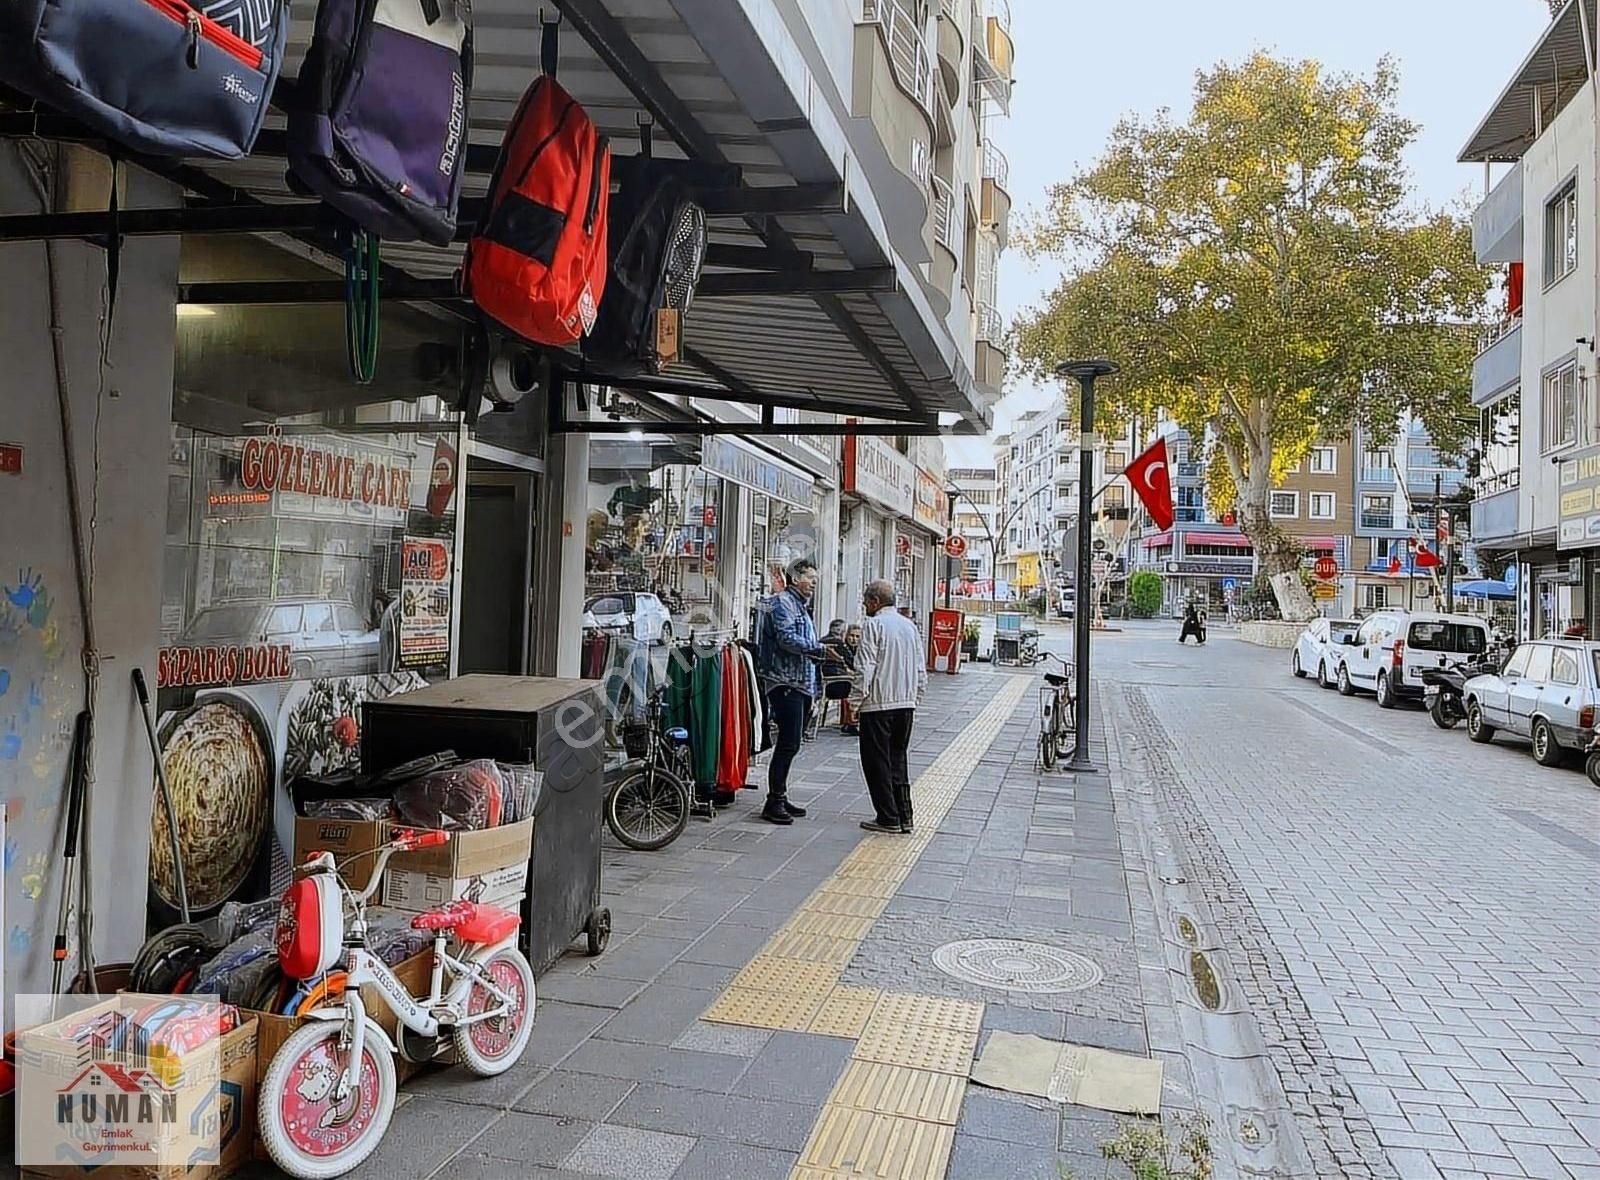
<point x="1556" y="62"/>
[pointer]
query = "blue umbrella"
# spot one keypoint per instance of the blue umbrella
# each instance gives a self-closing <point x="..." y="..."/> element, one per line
<point x="1486" y="588"/>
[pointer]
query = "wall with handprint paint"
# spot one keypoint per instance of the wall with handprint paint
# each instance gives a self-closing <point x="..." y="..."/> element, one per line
<point x="121" y="413"/>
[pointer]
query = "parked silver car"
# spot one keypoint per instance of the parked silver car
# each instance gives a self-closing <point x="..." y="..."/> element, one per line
<point x="1547" y="692"/>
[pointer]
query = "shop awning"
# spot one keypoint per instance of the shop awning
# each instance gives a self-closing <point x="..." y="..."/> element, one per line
<point x="1159" y="541"/>
<point x="1217" y="540"/>
<point x="741" y="102"/>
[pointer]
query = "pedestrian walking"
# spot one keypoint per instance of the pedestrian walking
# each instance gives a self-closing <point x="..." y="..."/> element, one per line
<point x="891" y="677"/>
<point x="787" y="656"/>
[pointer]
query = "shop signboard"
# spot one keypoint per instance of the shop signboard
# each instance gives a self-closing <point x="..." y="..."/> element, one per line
<point x="1027" y="570"/>
<point x="1213" y="568"/>
<point x="1578" y="522"/>
<point x="734" y="461"/>
<point x="875" y="471"/>
<point x="325" y="476"/>
<point x="944" y="640"/>
<point x="931" y="504"/>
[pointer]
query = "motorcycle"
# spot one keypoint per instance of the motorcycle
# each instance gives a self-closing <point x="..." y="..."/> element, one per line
<point x="1444" y="691"/>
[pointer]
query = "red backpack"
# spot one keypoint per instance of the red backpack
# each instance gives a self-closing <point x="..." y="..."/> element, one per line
<point x="537" y="266"/>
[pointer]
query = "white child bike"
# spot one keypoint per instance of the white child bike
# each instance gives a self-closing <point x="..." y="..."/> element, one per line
<point x="326" y="1101"/>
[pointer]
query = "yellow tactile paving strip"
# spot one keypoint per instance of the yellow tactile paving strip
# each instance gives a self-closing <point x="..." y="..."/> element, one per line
<point x="892" y="1115"/>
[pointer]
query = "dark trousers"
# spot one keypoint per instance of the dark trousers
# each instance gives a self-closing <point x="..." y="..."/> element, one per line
<point x="885" y="734"/>
<point x="788" y="707"/>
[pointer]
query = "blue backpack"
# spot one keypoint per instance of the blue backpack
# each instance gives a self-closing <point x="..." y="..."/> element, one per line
<point x="378" y="128"/>
<point x="162" y="77"/>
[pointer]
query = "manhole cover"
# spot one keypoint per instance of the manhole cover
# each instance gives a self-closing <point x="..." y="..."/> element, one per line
<point x="1012" y="965"/>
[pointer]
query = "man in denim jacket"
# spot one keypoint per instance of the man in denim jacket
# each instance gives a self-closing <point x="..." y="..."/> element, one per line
<point x="788" y="652"/>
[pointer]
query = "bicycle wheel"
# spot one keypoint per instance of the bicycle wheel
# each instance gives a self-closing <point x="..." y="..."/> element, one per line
<point x="649" y="810"/>
<point x="307" y="1134"/>
<point x="1049" y="710"/>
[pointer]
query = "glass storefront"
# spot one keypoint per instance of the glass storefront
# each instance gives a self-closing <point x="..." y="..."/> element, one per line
<point x="307" y="567"/>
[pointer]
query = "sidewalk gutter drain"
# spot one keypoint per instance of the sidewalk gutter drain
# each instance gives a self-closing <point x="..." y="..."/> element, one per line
<point x="1012" y="965"/>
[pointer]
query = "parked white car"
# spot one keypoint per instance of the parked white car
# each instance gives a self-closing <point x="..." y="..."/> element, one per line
<point x="1311" y="654"/>
<point x="1387" y="655"/>
<point x="644" y="613"/>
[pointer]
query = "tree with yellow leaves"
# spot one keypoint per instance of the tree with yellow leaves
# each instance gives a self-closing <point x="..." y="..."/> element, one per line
<point x="1260" y="275"/>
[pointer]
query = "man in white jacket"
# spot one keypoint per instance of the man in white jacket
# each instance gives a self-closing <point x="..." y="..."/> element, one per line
<point x="890" y="677"/>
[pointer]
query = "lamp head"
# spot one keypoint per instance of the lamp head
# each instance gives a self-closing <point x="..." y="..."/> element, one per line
<point x="1087" y="370"/>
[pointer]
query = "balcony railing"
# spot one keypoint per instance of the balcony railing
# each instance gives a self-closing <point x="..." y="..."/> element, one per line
<point x="944" y="219"/>
<point x="995" y="165"/>
<point x="908" y="52"/>
<point x="1189" y="471"/>
<point x="1377" y="520"/>
<point x="1377" y="475"/>
<point x="991" y="328"/>
<point x="1498" y="331"/>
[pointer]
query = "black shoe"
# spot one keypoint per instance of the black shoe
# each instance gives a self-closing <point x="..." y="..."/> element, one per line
<point x="850" y="730"/>
<point x="794" y="809"/>
<point x="872" y="825"/>
<point x="775" y="813"/>
<point x="724" y="798"/>
<point x="906" y="828"/>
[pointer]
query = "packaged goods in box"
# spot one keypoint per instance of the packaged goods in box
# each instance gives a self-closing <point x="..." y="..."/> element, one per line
<point x="201" y="1081"/>
<point x="472" y="854"/>
<point x="404" y="889"/>
<point x="343" y="838"/>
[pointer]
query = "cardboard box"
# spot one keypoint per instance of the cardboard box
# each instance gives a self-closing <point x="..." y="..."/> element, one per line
<point x="229" y="1105"/>
<point x="404" y="889"/>
<point x="471" y="854"/>
<point x="343" y="838"/>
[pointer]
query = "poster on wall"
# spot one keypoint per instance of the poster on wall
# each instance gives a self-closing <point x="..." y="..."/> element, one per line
<point x="290" y="561"/>
<point x="425" y="602"/>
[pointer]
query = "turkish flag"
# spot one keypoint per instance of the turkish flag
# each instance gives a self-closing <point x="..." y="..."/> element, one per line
<point x="1426" y="558"/>
<point x="1152" y="480"/>
<point x="1394" y="565"/>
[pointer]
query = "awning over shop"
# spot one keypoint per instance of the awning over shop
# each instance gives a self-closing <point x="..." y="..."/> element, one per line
<point x="1216" y="540"/>
<point x="740" y="102"/>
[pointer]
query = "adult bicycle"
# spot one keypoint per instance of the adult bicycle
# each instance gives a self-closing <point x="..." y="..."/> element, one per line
<point x="648" y="805"/>
<point x="1058" y="715"/>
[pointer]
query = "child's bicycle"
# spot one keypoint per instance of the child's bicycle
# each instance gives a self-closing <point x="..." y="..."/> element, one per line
<point x="329" y="1093"/>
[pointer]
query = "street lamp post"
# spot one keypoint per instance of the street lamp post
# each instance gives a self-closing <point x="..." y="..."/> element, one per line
<point x="949" y="531"/>
<point x="1085" y="372"/>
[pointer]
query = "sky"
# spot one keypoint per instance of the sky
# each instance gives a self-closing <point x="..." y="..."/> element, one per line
<point x="1081" y="65"/>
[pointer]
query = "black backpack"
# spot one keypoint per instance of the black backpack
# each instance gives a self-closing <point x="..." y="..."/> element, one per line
<point x="657" y="247"/>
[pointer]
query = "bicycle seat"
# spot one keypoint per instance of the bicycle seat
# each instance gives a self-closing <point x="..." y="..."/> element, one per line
<point x="470" y="921"/>
<point x="1057" y="680"/>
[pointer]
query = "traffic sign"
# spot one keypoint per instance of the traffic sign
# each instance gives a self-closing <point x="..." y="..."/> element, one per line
<point x="1326" y="568"/>
<point x="710" y="516"/>
<point x="1229" y="585"/>
<point x="955" y="546"/>
<point x="1099" y="544"/>
<point x="1324" y="591"/>
<point x="711" y="552"/>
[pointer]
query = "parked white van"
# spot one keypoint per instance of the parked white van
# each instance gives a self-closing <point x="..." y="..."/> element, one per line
<point x="1392" y="647"/>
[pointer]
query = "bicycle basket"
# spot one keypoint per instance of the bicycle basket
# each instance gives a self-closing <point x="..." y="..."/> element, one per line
<point x="635" y="738"/>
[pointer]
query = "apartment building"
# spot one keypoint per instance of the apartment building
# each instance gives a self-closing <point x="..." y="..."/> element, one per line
<point x="1536" y="511"/>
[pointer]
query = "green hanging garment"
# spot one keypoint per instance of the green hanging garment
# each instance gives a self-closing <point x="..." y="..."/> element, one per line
<point x="705" y="728"/>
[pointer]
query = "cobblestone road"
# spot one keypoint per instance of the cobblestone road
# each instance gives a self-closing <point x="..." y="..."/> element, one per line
<point x="1414" y="920"/>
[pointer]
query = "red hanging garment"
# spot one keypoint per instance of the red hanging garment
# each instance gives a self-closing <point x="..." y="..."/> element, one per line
<point x="733" y="753"/>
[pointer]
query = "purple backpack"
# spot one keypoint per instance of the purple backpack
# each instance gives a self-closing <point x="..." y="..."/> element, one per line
<point x="378" y="128"/>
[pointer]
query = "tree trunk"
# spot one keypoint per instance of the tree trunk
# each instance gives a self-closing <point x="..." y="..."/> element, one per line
<point x="1276" y="551"/>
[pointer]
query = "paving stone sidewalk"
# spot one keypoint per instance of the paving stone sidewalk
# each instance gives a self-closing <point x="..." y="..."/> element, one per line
<point x="623" y="1079"/>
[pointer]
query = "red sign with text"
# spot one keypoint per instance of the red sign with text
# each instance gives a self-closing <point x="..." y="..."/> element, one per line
<point x="944" y="640"/>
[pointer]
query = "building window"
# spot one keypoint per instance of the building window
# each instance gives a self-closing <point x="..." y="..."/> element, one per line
<point x="1322" y="506"/>
<point x="1285" y="505"/>
<point x="1324" y="461"/>
<point x="1115" y="496"/>
<point x="1116" y="461"/>
<point x="1499" y="466"/>
<point x="1377" y="460"/>
<point x="1558" y="418"/>
<point x="1377" y="512"/>
<point x="1374" y="596"/>
<point x="1561" y="233"/>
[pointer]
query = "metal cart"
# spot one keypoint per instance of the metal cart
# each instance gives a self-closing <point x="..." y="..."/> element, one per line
<point x="554" y="724"/>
